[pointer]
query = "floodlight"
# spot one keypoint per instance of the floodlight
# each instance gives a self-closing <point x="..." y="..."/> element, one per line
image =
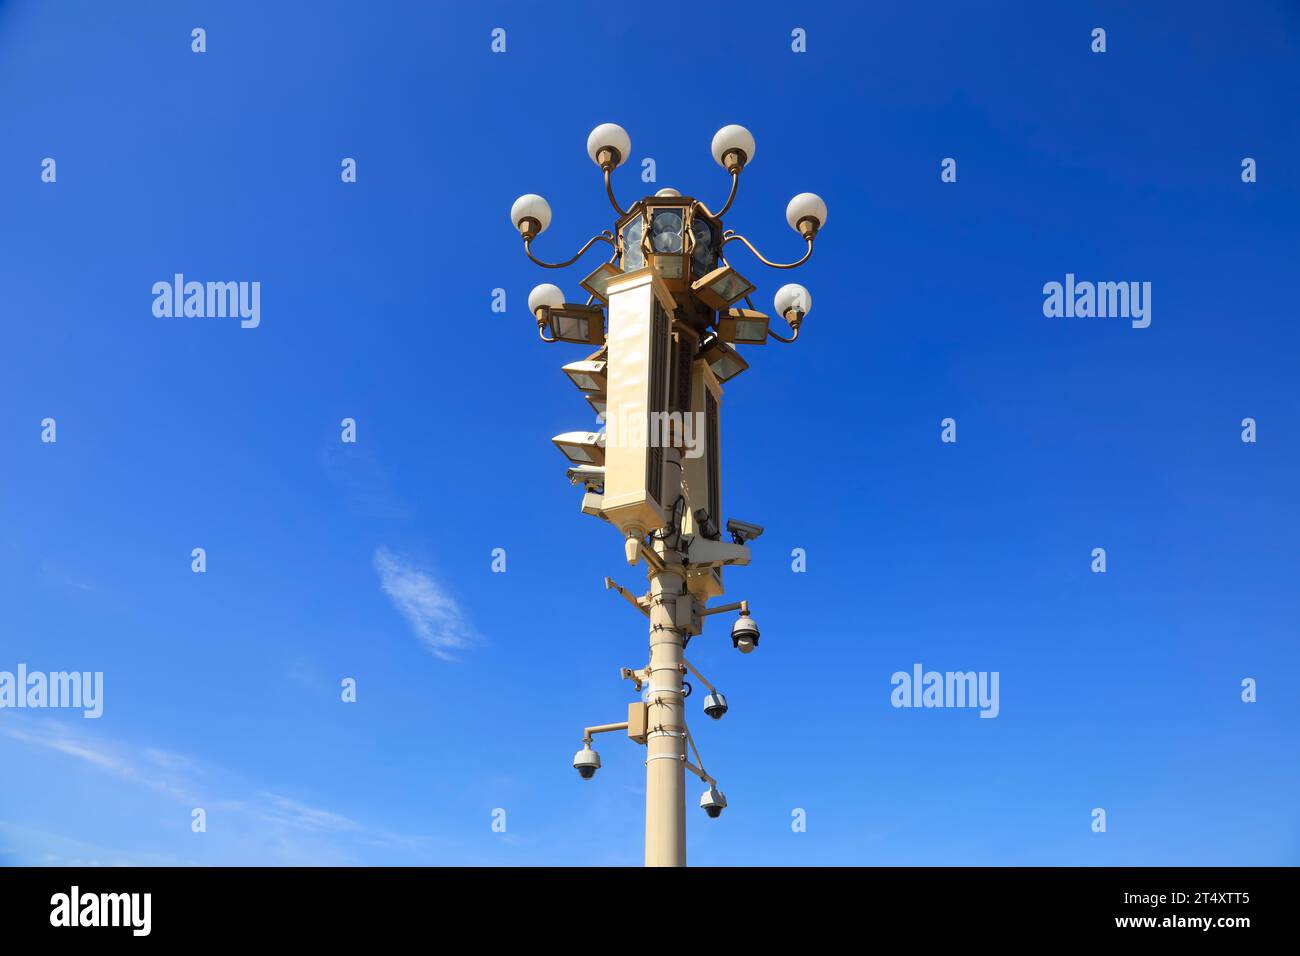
<point x="588" y="375"/>
<point x="743" y="327"/>
<point x="582" y="324"/>
<point x="724" y="361"/>
<point x="721" y="287"/>
<point x="582" y="448"/>
<point x="598" y="282"/>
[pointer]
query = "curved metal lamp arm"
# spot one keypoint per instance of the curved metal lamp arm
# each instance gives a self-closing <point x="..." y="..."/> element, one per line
<point x="602" y="237"/>
<point x="541" y="334"/>
<point x="731" y="197"/>
<point x="780" y="338"/>
<point x="609" y="191"/>
<point x="735" y="236"/>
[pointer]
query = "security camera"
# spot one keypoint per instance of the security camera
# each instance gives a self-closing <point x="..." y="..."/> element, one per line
<point x="744" y="634"/>
<point x="591" y="477"/>
<point x="704" y="521"/>
<point x="713" y="802"/>
<point x="715" y="705"/>
<point x="586" y="761"/>
<point x="742" y="531"/>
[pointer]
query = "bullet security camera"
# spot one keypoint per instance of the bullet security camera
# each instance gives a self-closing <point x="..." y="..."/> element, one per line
<point x="713" y="802"/>
<point x="586" y="761"/>
<point x="743" y="531"/>
<point x="591" y="477"/>
<point x="744" y="634"/>
<point x="715" y="705"/>
<point x="706" y="524"/>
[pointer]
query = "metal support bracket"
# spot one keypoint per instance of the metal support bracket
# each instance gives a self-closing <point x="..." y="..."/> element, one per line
<point x="587" y="732"/>
<point x="612" y="585"/>
<point x="687" y="665"/>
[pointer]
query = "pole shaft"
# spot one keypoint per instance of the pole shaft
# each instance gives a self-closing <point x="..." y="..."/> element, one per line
<point x="665" y="789"/>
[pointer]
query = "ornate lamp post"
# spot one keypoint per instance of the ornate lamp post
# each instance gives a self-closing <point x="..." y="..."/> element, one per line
<point x="663" y="317"/>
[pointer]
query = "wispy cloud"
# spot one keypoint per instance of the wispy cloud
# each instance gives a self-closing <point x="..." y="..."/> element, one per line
<point x="292" y="813"/>
<point x="433" y="614"/>
<point x="288" y="830"/>
<point x="60" y="577"/>
<point x="54" y="736"/>
<point x="173" y="775"/>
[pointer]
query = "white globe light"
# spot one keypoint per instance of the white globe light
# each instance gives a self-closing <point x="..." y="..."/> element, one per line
<point x="667" y="191"/>
<point x="545" y="295"/>
<point x="729" y="138"/>
<point x="531" y="206"/>
<point x="805" y="206"/>
<point x="792" y="296"/>
<point x="609" y="135"/>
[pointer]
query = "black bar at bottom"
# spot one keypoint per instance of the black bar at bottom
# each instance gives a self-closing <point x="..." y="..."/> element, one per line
<point x="600" y="908"/>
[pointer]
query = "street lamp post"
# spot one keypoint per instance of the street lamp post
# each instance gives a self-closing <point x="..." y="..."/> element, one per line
<point x="663" y="316"/>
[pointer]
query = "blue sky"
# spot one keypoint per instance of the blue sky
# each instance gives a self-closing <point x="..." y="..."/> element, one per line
<point x="1118" y="690"/>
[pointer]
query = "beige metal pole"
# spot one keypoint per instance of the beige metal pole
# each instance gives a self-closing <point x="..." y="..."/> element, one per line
<point x="665" y="780"/>
<point x="665" y="772"/>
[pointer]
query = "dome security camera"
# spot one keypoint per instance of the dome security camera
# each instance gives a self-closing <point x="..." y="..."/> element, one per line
<point x="586" y="761"/>
<point x="715" y="705"/>
<point x="744" y="634"/>
<point x="713" y="802"/>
